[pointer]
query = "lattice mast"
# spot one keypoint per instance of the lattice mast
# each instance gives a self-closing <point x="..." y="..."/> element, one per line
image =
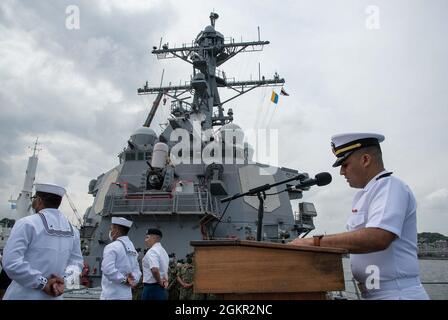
<point x="207" y="52"/>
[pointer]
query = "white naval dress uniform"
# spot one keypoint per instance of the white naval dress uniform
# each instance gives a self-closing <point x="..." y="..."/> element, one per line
<point x="156" y="257"/>
<point x="119" y="259"/>
<point x="40" y="245"/>
<point x="387" y="203"/>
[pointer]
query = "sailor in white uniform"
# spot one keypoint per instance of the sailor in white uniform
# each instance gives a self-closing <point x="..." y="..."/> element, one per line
<point x="155" y="267"/>
<point x="41" y="248"/>
<point x="382" y="227"/>
<point x="120" y="268"/>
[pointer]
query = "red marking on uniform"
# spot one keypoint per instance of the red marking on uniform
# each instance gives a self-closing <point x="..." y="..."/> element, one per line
<point x="354" y="210"/>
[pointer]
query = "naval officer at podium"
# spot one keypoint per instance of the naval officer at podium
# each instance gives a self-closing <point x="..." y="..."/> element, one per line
<point x="382" y="228"/>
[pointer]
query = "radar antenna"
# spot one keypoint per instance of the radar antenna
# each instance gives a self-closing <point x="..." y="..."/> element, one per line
<point x="213" y="17"/>
<point x="207" y="52"/>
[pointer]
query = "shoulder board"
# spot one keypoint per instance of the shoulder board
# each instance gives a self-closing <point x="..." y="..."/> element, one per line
<point x="387" y="174"/>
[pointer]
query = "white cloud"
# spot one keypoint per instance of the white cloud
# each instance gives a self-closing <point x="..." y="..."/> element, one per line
<point x="438" y="195"/>
<point x="31" y="69"/>
<point x="129" y="6"/>
<point x="436" y="203"/>
<point x="77" y="90"/>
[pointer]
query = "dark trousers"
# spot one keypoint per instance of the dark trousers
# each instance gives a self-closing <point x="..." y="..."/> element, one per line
<point x="153" y="291"/>
<point x="5" y="281"/>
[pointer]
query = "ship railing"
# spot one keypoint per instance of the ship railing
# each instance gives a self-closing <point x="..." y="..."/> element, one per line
<point x="162" y="203"/>
<point x="192" y="45"/>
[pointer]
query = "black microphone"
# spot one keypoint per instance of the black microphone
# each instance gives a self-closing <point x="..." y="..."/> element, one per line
<point x="320" y="179"/>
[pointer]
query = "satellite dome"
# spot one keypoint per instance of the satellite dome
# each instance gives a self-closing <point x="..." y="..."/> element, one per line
<point x="209" y="29"/>
<point x="144" y="136"/>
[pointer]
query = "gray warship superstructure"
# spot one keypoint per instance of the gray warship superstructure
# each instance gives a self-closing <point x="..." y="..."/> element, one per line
<point x="158" y="184"/>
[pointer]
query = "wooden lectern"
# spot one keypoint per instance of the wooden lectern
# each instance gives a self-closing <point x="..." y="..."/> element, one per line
<point x="245" y="270"/>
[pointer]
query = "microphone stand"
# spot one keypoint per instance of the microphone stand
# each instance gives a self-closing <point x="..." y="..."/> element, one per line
<point x="261" y="194"/>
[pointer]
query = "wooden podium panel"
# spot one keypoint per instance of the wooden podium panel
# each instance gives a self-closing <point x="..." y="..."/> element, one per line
<point x="262" y="270"/>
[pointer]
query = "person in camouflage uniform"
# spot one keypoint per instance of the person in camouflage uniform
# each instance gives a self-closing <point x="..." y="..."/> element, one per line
<point x="173" y="285"/>
<point x="137" y="291"/>
<point x="185" y="279"/>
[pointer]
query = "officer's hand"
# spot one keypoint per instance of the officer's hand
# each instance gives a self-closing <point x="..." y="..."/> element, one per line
<point x="130" y="281"/>
<point x="54" y="286"/>
<point x="58" y="286"/>
<point x="302" y="242"/>
<point x="164" y="282"/>
<point x="48" y="289"/>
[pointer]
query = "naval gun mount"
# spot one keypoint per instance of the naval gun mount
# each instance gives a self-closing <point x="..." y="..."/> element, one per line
<point x="148" y="185"/>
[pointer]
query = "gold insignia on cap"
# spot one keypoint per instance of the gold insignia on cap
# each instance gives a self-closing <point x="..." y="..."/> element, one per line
<point x="353" y="146"/>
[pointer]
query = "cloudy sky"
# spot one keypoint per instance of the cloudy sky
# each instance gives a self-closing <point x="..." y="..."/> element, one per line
<point x="376" y="66"/>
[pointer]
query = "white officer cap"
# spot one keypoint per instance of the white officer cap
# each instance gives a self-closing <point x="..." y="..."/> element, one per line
<point x="345" y="144"/>
<point x="50" y="188"/>
<point x="122" y="222"/>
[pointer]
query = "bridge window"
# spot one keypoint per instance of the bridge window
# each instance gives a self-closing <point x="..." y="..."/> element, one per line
<point x="130" y="156"/>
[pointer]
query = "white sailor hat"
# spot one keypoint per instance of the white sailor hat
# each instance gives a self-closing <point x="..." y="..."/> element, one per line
<point x="343" y="145"/>
<point x="121" y="222"/>
<point x="50" y="188"/>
